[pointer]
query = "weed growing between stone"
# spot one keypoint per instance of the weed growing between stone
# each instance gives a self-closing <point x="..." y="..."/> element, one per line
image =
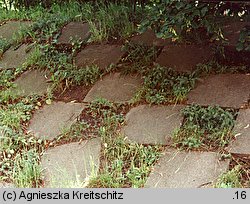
<point x="123" y="164"/>
<point x="139" y="58"/>
<point x="4" y="45"/>
<point x="230" y="179"/>
<point x="19" y="152"/>
<point x="214" y="67"/>
<point x="110" y="22"/>
<point x="205" y="127"/>
<point x="164" y="85"/>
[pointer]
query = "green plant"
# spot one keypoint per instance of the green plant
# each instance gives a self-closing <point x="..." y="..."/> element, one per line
<point x="205" y="127"/>
<point x="4" y="45"/>
<point x="124" y="164"/>
<point x="182" y="20"/>
<point x="138" y="58"/>
<point x="26" y="170"/>
<point x="111" y="21"/>
<point x="75" y="132"/>
<point x="230" y="179"/>
<point x="244" y="40"/>
<point x="76" y="45"/>
<point x="164" y="85"/>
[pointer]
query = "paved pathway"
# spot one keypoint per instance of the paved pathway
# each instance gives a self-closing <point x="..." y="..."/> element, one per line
<point x="71" y="165"/>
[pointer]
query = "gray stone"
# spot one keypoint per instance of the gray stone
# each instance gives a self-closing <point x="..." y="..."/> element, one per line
<point x="242" y="132"/>
<point x="115" y="87"/>
<point x="8" y="29"/>
<point x="186" y="170"/>
<point x="152" y="124"/>
<point x="14" y="58"/>
<point x="71" y="165"/>
<point x="183" y="58"/>
<point x="6" y="185"/>
<point x="149" y="38"/>
<point x="100" y="55"/>
<point x="51" y="120"/>
<point x="32" y="82"/>
<point x="225" y="90"/>
<point x="74" y="30"/>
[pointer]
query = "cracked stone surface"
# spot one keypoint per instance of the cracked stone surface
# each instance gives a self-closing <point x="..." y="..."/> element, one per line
<point x="115" y="87"/>
<point x="149" y="38"/>
<point x="152" y="124"/>
<point x="100" y="55"/>
<point x="242" y="132"/>
<point x="14" y="58"/>
<point x="187" y="170"/>
<point x="225" y="90"/>
<point x="8" y="29"/>
<point x="51" y="120"/>
<point x="70" y="165"/>
<point x="74" y="30"/>
<point x="183" y="58"/>
<point x="32" y="82"/>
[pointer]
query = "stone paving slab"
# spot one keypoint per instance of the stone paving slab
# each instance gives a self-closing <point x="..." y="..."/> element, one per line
<point x="115" y="87"/>
<point x="186" y="170"/>
<point x="225" y="90"/>
<point x="74" y="30"/>
<point x="242" y="131"/>
<point x="6" y="185"/>
<point x="51" y="120"/>
<point x="32" y="82"/>
<point x="152" y="124"/>
<point x="71" y="164"/>
<point x="13" y="58"/>
<point x="184" y="58"/>
<point x="101" y="55"/>
<point x="149" y="38"/>
<point x="8" y="29"/>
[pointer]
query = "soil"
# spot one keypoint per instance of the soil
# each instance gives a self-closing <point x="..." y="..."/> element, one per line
<point x="75" y="93"/>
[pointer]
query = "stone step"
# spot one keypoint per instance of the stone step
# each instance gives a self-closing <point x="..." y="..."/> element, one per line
<point x="14" y="58"/>
<point x="71" y="165"/>
<point x="152" y="124"/>
<point x="115" y="87"/>
<point x="51" y="120"/>
<point x="74" y="31"/>
<point x="187" y="170"/>
<point x="32" y="82"/>
<point x="8" y="29"/>
<point x="100" y="55"/>
<point x="241" y="145"/>
<point x="225" y="90"/>
<point x="184" y="58"/>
